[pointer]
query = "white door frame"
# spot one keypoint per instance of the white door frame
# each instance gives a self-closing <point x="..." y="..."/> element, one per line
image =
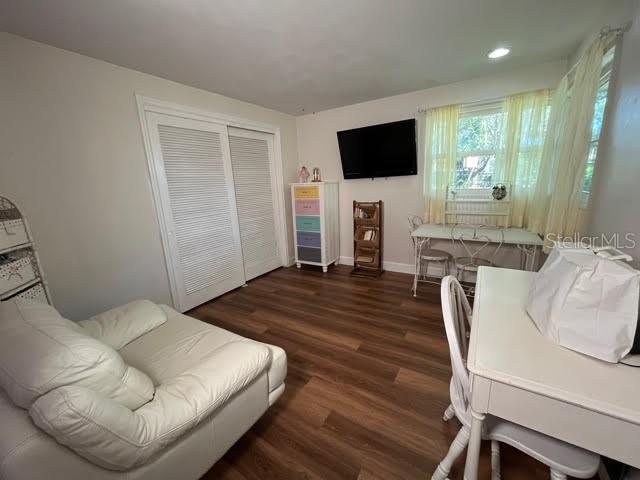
<point x="148" y="104"/>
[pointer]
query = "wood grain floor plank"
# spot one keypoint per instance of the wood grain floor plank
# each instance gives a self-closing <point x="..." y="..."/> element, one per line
<point x="421" y="382"/>
<point x="413" y="433"/>
<point x="317" y="333"/>
<point x="290" y="434"/>
<point x="257" y="459"/>
<point x="392" y="458"/>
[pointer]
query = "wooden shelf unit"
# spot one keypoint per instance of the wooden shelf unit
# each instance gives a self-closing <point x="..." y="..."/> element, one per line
<point x="368" y="221"/>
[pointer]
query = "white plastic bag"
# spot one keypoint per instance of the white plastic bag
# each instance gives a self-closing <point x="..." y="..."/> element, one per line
<point x="586" y="302"/>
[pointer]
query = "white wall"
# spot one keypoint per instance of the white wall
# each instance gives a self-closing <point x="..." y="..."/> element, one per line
<point x="72" y="156"/>
<point x="615" y="197"/>
<point x="318" y="147"/>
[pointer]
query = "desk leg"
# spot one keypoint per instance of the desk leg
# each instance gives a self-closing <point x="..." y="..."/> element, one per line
<point x="415" y="275"/>
<point x="523" y="258"/>
<point x="473" y="450"/>
<point x="528" y="257"/>
<point x="532" y="256"/>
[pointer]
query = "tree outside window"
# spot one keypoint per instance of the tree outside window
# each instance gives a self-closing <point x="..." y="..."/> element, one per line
<point x="478" y="143"/>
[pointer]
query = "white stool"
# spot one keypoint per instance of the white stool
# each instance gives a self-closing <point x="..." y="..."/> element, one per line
<point x="426" y="257"/>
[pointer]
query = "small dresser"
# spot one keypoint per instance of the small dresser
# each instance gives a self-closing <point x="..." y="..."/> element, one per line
<point x="316" y="223"/>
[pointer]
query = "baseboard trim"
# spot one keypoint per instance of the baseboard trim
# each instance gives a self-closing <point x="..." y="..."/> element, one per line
<point x="391" y="266"/>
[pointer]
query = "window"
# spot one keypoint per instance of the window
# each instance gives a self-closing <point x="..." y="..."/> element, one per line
<point x="596" y="125"/>
<point x="478" y="144"/>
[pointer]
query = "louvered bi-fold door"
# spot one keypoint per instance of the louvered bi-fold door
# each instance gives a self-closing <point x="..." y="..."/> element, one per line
<point x="252" y="162"/>
<point x="195" y="181"/>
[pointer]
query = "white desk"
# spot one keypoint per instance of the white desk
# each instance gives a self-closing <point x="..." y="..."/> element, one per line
<point x="512" y="236"/>
<point x="527" y="242"/>
<point x="519" y="375"/>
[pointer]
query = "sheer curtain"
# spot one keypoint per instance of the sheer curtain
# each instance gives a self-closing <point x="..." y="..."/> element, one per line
<point x="539" y="211"/>
<point x="441" y="149"/>
<point x="520" y="158"/>
<point x="558" y="194"/>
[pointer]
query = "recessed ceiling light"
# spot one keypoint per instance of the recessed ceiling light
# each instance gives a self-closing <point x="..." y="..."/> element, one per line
<point x="499" y="52"/>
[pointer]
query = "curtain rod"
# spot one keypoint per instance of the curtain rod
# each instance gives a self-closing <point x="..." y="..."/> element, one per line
<point x="607" y="29"/>
<point x="604" y="31"/>
<point x="475" y="103"/>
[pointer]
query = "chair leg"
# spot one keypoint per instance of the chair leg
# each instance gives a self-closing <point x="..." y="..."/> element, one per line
<point x="495" y="460"/>
<point x="459" y="274"/>
<point x="556" y="475"/>
<point x="455" y="450"/>
<point x="417" y="266"/>
<point x="449" y="413"/>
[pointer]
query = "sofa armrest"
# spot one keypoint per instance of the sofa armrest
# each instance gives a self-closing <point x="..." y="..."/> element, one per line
<point x="121" y="325"/>
<point x="117" y="438"/>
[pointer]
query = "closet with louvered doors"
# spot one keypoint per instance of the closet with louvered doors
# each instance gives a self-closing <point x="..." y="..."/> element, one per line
<point x="214" y="189"/>
<point x="252" y="159"/>
<point x="194" y="179"/>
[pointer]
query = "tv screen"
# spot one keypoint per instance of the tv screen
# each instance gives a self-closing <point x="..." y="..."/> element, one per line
<point x="386" y="150"/>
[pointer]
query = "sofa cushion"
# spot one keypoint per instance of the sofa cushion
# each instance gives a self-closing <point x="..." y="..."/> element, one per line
<point x="125" y="323"/>
<point x="114" y="437"/>
<point x="41" y="351"/>
<point x="182" y="342"/>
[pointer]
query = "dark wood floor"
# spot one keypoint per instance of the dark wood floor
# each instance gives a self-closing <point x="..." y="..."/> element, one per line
<point x="367" y="383"/>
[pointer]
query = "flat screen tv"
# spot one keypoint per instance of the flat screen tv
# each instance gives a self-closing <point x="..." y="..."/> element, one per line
<point x="386" y="150"/>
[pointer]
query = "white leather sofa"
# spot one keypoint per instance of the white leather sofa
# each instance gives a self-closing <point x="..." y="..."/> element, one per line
<point x="139" y="392"/>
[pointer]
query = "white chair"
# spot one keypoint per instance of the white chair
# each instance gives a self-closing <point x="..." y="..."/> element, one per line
<point x="475" y="244"/>
<point x="426" y="256"/>
<point x="562" y="458"/>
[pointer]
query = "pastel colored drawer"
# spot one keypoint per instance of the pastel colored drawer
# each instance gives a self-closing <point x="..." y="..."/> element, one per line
<point x="308" y="239"/>
<point x="307" y="207"/>
<point x="308" y="254"/>
<point x="306" y="192"/>
<point x="306" y="223"/>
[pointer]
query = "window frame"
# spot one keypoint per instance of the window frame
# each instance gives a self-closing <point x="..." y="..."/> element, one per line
<point x="476" y="110"/>
<point x="606" y="78"/>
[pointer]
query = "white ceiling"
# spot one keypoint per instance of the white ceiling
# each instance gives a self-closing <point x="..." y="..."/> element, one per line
<point x="299" y="56"/>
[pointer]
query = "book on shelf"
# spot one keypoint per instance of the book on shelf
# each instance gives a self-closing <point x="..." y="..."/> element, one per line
<point x="363" y="213"/>
<point x="369" y="235"/>
<point x="364" y="259"/>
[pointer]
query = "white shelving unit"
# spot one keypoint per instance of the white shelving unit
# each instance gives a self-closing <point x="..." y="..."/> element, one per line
<point x="21" y="274"/>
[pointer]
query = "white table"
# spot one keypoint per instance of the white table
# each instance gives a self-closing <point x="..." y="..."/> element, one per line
<point x="519" y="375"/>
<point x="527" y="242"/>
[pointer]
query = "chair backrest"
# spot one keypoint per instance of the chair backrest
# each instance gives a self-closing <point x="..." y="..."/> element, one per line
<point x="414" y="221"/>
<point x="457" y="321"/>
<point x="478" y="239"/>
<point x="481" y="232"/>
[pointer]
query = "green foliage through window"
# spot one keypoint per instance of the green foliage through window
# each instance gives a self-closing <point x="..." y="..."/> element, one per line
<point x="478" y="142"/>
